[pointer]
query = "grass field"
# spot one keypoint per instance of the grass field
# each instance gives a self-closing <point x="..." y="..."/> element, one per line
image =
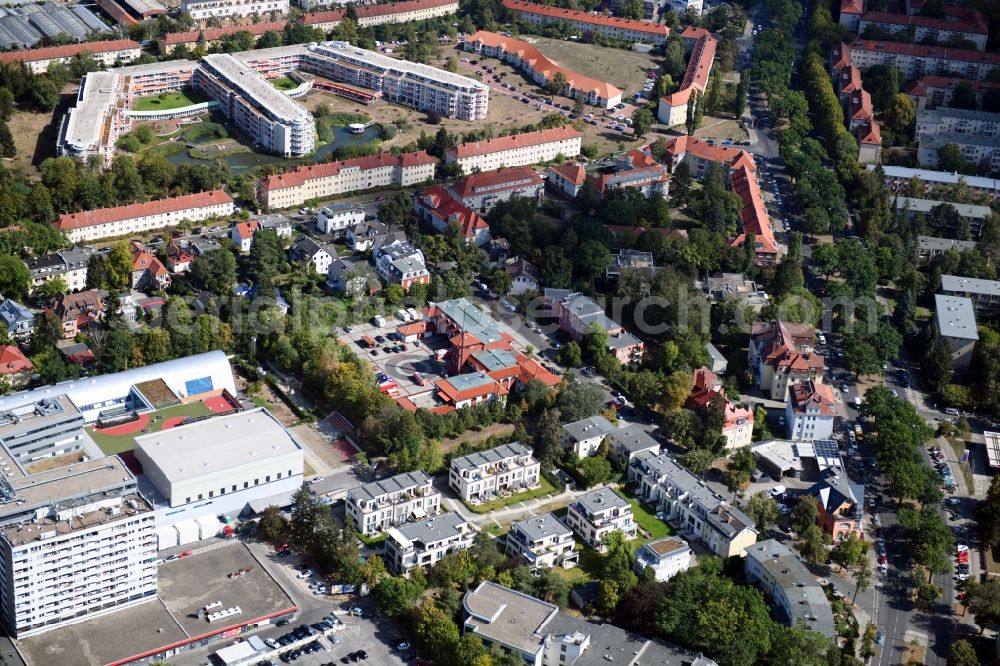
<point x="166" y="101"/>
<point x="624" y="69"/>
<point x="646" y="519"/>
<point x="544" y="489"/>
<point x="112" y="444"/>
<point x="284" y="83"/>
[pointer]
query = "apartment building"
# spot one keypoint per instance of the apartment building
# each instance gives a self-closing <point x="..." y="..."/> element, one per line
<point x="792" y="587"/>
<point x="213" y="36"/>
<point x="543" y="542"/>
<point x="442" y="210"/>
<point x="636" y="170"/>
<point x="984" y="294"/>
<point x="690" y="506"/>
<point x="672" y="109"/>
<point x="840" y="503"/>
<point x="650" y="9"/>
<point x="666" y="557"/>
<point x="955" y="323"/>
<point x="737" y="419"/>
<point x="536" y="632"/>
<point x="609" y="27"/>
<point x="134" y="219"/>
<point x="320" y="181"/>
<point x="378" y="14"/>
<point x="899" y="179"/>
<point x="17" y="319"/>
<point x="411" y="84"/>
<point x="916" y="60"/>
<point x="106" y="53"/>
<point x="497" y="472"/>
<point x="596" y="514"/>
<point x="929" y="247"/>
<point x="810" y="411"/>
<point x="483" y="191"/>
<point x="946" y="120"/>
<point x="968" y="24"/>
<point x="974" y="214"/>
<point x="423" y="543"/>
<point x="71" y="265"/>
<point x="202" y="10"/>
<point x="850" y="14"/>
<point x="577" y="314"/>
<point x="76" y="312"/>
<point x="307" y="251"/>
<point x="267" y="115"/>
<point x="516" y="150"/>
<point x="627" y="442"/>
<point x="585" y="437"/>
<point x="401" y="263"/>
<point x="398" y="500"/>
<point x="541" y="70"/>
<point x="933" y="91"/>
<point x="979" y="151"/>
<point x="754" y="217"/>
<point x="781" y="355"/>
<point x="337" y="218"/>
<point x="567" y="178"/>
<point x="699" y="155"/>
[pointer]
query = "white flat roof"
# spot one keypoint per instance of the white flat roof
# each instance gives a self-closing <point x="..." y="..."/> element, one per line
<point x="956" y="317"/>
<point x="86" y="119"/>
<point x="218" y="443"/>
<point x="993" y="448"/>
<point x="257" y="89"/>
<point x="395" y="65"/>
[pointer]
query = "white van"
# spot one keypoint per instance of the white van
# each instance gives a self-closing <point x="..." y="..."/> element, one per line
<point x="402" y="315"/>
<point x="378" y="320"/>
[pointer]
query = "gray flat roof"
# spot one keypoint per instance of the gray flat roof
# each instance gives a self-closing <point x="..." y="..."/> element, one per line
<point x="935" y="244"/>
<point x="217" y="443"/>
<point x="431" y="530"/>
<point x="601" y="500"/>
<point x="344" y="51"/>
<point x="471" y="319"/>
<point x="955" y="317"/>
<point x="540" y="527"/>
<point x="938" y="177"/>
<point x="83" y="127"/>
<point x="938" y="114"/>
<point x="594" y="426"/>
<point x="966" y="285"/>
<point x="393" y="484"/>
<point x="490" y="456"/>
<point x="495" y="359"/>
<point x="508" y="617"/>
<point x="633" y="438"/>
<point x="805" y="596"/>
<point x="926" y="205"/>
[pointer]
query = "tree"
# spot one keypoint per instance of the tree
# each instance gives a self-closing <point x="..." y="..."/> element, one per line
<point x="950" y="158"/>
<point x="14" y="277"/>
<point x="373" y="571"/>
<point x="570" y="355"/>
<point x="868" y="642"/>
<point x="579" y="400"/>
<point x="557" y="84"/>
<point x="862" y="578"/>
<point x="963" y="97"/>
<point x="6" y="104"/>
<point x="436" y="632"/>
<point x="632" y="9"/>
<point x="812" y="544"/>
<point x="215" y="270"/>
<point x="825" y="259"/>
<point x="272" y="525"/>
<point x="395" y="595"/>
<point x="900" y="113"/>
<point x="7" y="147"/>
<point x="764" y="511"/>
<point x="594" y="470"/>
<point x="347" y="30"/>
<point x="548" y="437"/>
<point x="961" y="652"/>
<point x="618" y="562"/>
<point x="118" y="266"/>
<point x="804" y="515"/>
<point x="265" y="257"/>
<point x="642" y="120"/>
<point x="849" y="552"/>
<point x="306" y="511"/>
<point x="698" y="461"/>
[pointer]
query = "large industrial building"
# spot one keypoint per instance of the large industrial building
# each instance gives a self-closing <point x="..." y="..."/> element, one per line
<point x="25" y="25"/>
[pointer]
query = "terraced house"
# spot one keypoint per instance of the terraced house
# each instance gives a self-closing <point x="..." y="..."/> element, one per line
<point x="398" y="500"/>
<point x="498" y="472"/>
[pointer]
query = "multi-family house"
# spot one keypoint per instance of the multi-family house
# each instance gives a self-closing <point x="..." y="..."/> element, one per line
<point x="567" y="178"/>
<point x="423" y="543"/>
<point x="916" y="60"/>
<point x="76" y="312"/>
<point x="840" y="504"/>
<point x="104" y="52"/>
<point x="690" y="506"/>
<point x="585" y="437"/>
<point x="438" y="207"/>
<point x="372" y="235"/>
<point x="17" y="319"/>
<point x="524" y="276"/>
<point x="353" y="278"/>
<point x="628" y="260"/>
<point x="180" y="256"/>
<point x="543" y="542"/>
<point x="666" y="557"/>
<point x="984" y="294"/>
<point x="737" y="419"/>
<point x="203" y="10"/>
<point x="955" y="322"/>
<point x="14" y="366"/>
<point x="497" y="472"/>
<point x="781" y="355"/>
<point x="810" y="411"/>
<point x="483" y="191"/>
<point x="672" y="109"/>
<point x="148" y="272"/>
<point x="338" y="218"/>
<point x="71" y="265"/>
<point x="972" y="214"/>
<point x="626" y="443"/>
<point x="901" y="179"/>
<point x="792" y="587"/>
<point x="962" y="23"/>
<point x="516" y="149"/>
<point x="599" y="513"/>
<point x="578" y="314"/>
<point x="306" y="250"/>
<point x="401" y="263"/>
<point x="398" y="500"/>
<point x="242" y="234"/>
<point x="610" y="27"/>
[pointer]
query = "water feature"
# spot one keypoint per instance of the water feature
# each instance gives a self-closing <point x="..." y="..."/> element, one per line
<point x="242" y="162"/>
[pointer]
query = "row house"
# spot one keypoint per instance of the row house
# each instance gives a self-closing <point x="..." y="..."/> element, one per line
<point x="541" y="70"/>
<point x="422" y="544"/>
<point x="781" y="355"/>
<point x="516" y="149"/>
<point x="690" y="506"/>
<point x="496" y="472"/>
<point x="71" y="265"/>
<point x="134" y="219"/>
<point x="578" y="315"/>
<point x="398" y="500"/>
<point x="984" y="294"/>
<point x="609" y="27"/>
<point x="483" y="191"/>
<point x="543" y="542"/>
<point x="962" y="23"/>
<point x="737" y="419"/>
<point x="400" y="263"/>
<point x="810" y="411"/>
<point x="109" y="53"/>
<point x="672" y="109"/>
<point x="597" y="514"/>
<point x="439" y="208"/>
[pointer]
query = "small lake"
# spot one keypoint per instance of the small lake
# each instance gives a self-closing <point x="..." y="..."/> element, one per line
<point x="243" y="162"/>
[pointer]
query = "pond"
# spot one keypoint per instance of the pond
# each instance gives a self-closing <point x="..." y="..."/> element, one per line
<point x="242" y="162"/>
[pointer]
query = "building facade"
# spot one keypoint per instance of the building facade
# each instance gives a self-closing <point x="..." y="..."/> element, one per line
<point x="542" y="542"/>
<point x="106" y="53"/>
<point x="516" y="150"/>
<point x="810" y="412"/>
<point x="400" y="263"/>
<point x="793" y="589"/>
<point x="984" y="294"/>
<point x="482" y="191"/>
<point x="423" y="543"/>
<point x="672" y="109"/>
<point x="497" y="472"/>
<point x="599" y="513"/>
<point x="585" y="437"/>
<point x="667" y="557"/>
<point x="609" y="27"/>
<point x="916" y="60"/>
<point x="202" y="10"/>
<point x="398" y="500"/>
<point x="781" y="355"/>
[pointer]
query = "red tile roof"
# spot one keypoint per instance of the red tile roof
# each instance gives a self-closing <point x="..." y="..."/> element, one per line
<point x="698" y="70"/>
<point x="247" y="229"/>
<point x="812" y="395"/>
<point x="753" y="212"/>
<point x="921" y="51"/>
<point x="215" y="34"/>
<point x="512" y="141"/>
<point x="371" y="11"/>
<point x="441" y="204"/>
<point x="921" y="85"/>
<point x="532" y="369"/>
<point x="725" y="155"/>
<point x="571" y="172"/>
<point x="840" y="56"/>
<point x="454" y="395"/>
<point x="537" y="62"/>
<point x="328" y="169"/>
<point x="583" y="17"/>
<point x="13" y="361"/>
<point x="91" y="218"/>
<point x="68" y="51"/>
<point x="694" y="34"/>
<point x="144" y="260"/>
<point x="870" y="133"/>
<point x="967" y="20"/>
<point x="515" y="178"/>
<point x="861" y="106"/>
<point x="852" y="6"/>
<point x="850" y="79"/>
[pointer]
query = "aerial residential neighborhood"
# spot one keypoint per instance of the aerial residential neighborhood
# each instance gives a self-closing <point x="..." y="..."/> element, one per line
<point x="497" y="332"/>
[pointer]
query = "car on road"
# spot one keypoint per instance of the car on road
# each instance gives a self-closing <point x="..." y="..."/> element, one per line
<point x="777" y="490"/>
<point x="954" y="501"/>
<point x="402" y="646"/>
<point x="306" y="573"/>
<point x="315" y="480"/>
<point x="879" y="637"/>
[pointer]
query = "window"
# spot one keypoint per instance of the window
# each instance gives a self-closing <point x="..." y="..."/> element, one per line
<point x="200" y="496"/>
<point x="211" y="493"/>
<point x="267" y="479"/>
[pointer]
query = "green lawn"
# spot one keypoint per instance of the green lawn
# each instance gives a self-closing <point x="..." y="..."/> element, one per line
<point x="174" y="100"/>
<point x="112" y="444"/>
<point x="544" y="489"/>
<point x="284" y="83"/>
<point x="646" y="519"/>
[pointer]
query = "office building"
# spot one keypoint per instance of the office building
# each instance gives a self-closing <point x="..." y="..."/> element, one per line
<point x="203" y="10"/>
<point x="955" y="323"/>
<point x="516" y="150"/>
<point x="597" y="514"/>
<point x="423" y="543"/>
<point x="792" y="587"/>
<point x="497" y="472"/>
<point x="543" y="542"/>
<point x="666" y="557"/>
<point x="609" y="27"/>
<point x="690" y="506"/>
<point x="984" y="294"/>
<point x="398" y="500"/>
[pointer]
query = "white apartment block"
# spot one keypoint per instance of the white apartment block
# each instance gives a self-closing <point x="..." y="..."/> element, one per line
<point x="984" y="294"/>
<point x="202" y="10"/>
<point x="372" y="15"/>
<point x="981" y="152"/>
<point x="672" y="109"/>
<point x="497" y="472"/>
<point x="682" y="7"/>
<point x="609" y="27"/>
<point x="690" y="506"/>
<point x="398" y="500"/>
<point x="516" y="150"/>
<point x="946" y="120"/>
<point x="543" y="542"/>
<point x="339" y="218"/>
<point x="105" y="53"/>
<point x="585" y="437"/>
<point x="666" y="557"/>
<point x="318" y="181"/>
<point x="599" y="513"/>
<point x="422" y="544"/>
<point x="916" y="60"/>
<point x="899" y="178"/>
<point x="138" y="218"/>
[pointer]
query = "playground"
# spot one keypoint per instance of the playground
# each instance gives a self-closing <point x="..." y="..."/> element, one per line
<point x="121" y="438"/>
